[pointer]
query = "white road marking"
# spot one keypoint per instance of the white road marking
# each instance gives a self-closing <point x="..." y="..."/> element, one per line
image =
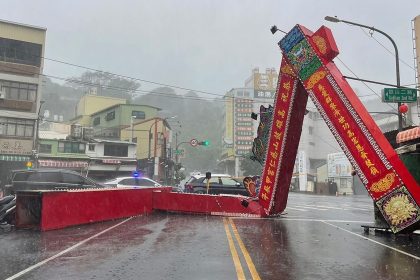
<point x="344" y="208"/>
<point x="374" y="241"/>
<point x="323" y="220"/>
<point x="311" y="207"/>
<point x="65" y="251"/>
<point x="328" y="207"/>
<point x="298" y="209"/>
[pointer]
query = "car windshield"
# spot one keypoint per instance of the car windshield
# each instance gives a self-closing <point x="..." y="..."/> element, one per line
<point x="112" y="181"/>
<point x="210" y="139"/>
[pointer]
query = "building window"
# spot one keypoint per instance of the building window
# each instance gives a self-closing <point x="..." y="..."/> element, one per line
<point x="71" y="147"/>
<point x="312" y="143"/>
<point x="91" y="147"/>
<point x="20" y="52"/>
<point x="139" y="114"/>
<point x="17" y="127"/>
<point x="45" y="148"/>
<point x="134" y="140"/>
<point x="116" y="150"/>
<point x="110" y="116"/>
<point x="97" y="121"/>
<point x="19" y="91"/>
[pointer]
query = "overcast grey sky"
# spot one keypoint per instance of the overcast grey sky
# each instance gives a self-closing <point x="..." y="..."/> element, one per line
<point x="211" y="45"/>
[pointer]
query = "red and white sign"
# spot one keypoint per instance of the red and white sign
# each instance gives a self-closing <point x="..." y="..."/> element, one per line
<point x="62" y="164"/>
<point x="111" y="161"/>
<point x="194" y="142"/>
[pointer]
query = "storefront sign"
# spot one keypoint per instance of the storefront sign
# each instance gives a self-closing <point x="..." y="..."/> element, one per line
<point x="15" y="147"/>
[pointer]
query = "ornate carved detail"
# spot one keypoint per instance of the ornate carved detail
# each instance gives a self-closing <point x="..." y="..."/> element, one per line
<point x="315" y="78"/>
<point x="320" y="43"/>
<point x="383" y="184"/>
<point x="287" y="70"/>
<point x="399" y="209"/>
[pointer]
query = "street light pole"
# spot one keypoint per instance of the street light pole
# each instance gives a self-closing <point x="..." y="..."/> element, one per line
<point x="36" y="142"/>
<point x="397" y="60"/>
<point x="132" y="127"/>
<point x="176" y="145"/>
<point x="150" y="134"/>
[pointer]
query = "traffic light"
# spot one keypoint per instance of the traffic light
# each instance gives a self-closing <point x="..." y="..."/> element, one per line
<point x="204" y="143"/>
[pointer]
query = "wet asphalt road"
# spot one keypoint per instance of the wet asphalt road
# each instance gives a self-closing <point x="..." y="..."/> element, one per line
<point x="319" y="237"/>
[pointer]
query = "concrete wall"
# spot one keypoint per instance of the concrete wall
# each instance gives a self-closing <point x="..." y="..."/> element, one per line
<point x="90" y="104"/>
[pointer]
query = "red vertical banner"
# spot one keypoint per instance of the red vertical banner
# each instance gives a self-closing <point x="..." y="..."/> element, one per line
<point x="277" y="137"/>
<point x="372" y="166"/>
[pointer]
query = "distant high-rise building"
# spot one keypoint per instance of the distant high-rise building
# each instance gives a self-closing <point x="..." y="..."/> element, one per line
<point x="240" y="129"/>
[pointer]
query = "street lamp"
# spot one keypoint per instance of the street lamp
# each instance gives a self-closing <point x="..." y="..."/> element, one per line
<point x="397" y="60"/>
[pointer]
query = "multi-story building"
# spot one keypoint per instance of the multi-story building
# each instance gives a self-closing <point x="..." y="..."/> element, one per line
<point x="239" y="129"/>
<point x="63" y="153"/>
<point x="263" y="88"/>
<point x="91" y="103"/>
<point x="113" y="120"/>
<point x="107" y="123"/>
<point x="111" y="158"/>
<point x="21" y="51"/>
<point x="153" y="139"/>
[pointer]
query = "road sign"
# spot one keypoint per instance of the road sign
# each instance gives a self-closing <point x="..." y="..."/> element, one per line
<point x="399" y="95"/>
<point x="194" y="142"/>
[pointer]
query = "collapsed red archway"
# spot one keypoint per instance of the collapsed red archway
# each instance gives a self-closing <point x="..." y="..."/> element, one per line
<point x="306" y="70"/>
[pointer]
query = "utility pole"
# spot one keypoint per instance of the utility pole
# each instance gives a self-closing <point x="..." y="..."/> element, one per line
<point x="132" y="127"/>
<point x="176" y="145"/>
<point x="36" y="142"/>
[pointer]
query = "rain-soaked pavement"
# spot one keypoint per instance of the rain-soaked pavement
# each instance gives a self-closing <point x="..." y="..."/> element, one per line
<point x="319" y="237"/>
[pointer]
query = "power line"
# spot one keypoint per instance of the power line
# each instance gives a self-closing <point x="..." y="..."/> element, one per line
<point x="130" y="90"/>
<point x="123" y="76"/>
<point x="388" y="50"/>
<point x="378" y="95"/>
<point x="121" y="89"/>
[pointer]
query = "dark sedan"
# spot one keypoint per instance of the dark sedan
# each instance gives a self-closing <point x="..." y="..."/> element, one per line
<point x="219" y="184"/>
<point x="47" y="179"/>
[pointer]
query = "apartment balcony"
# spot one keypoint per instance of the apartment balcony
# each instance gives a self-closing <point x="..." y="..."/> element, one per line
<point x="16" y="68"/>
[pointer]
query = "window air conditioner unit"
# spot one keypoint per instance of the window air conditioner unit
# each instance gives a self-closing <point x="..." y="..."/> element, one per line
<point x="2" y="94"/>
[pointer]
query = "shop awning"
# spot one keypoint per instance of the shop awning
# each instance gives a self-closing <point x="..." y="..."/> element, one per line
<point x="13" y="158"/>
<point x="62" y="163"/>
<point x="408" y="135"/>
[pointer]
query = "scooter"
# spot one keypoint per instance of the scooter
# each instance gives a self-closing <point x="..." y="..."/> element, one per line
<point x="7" y="209"/>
